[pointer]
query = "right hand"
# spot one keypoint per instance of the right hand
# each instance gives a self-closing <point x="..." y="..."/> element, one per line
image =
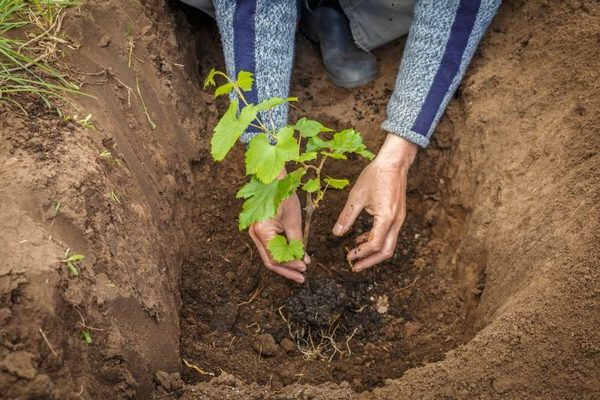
<point x="288" y="221"/>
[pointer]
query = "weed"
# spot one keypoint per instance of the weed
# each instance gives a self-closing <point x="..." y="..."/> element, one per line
<point x="114" y="197"/>
<point x="71" y="261"/>
<point x="23" y="64"/>
<point x="86" y="336"/>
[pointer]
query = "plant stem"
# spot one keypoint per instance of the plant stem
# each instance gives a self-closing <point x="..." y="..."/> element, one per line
<point x="310" y="209"/>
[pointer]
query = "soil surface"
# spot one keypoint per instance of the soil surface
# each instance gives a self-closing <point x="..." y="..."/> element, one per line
<point x="492" y="293"/>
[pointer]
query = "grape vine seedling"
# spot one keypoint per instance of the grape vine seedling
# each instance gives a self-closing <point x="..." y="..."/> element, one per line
<point x="308" y="144"/>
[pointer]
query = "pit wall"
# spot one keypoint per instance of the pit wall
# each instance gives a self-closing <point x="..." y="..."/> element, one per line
<point x="523" y="166"/>
<point x="127" y="56"/>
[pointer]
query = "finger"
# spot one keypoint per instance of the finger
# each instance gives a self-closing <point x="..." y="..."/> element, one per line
<point x="347" y="217"/>
<point x="376" y="240"/>
<point x="306" y="258"/>
<point x="363" y="237"/>
<point x="265" y="255"/>
<point x="386" y="253"/>
<point x="262" y="251"/>
<point x="297" y="265"/>
<point x="287" y="273"/>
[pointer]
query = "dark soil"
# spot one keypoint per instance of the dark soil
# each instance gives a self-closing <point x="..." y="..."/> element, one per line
<point x="383" y="321"/>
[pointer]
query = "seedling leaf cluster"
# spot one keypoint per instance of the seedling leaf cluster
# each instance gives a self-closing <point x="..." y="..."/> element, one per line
<point x="307" y="145"/>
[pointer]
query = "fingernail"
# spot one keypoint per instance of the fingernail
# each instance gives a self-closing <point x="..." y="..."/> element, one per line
<point x="338" y="229"/>
<point x="301" y="280"/>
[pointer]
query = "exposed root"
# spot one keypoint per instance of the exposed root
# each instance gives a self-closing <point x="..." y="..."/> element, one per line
<point x="196" y="368"/>
<point x="319" y="346"/>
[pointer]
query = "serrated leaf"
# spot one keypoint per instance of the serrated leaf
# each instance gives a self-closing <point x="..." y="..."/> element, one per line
<point x="282" y="251"/>
<point x="262" y="200"/>
<point x="365" y="153"/>
<point x="312" y="185"/>
<point x="337" y="183"/>
<point x="309" y="128"/>
<point x="266" y="160"/>
<point x="335" y="156"/>
<point x="245" y="80"/>
<point x="210" y="78"/>
<point x="273" y="102"/>
<point x="308" y="156"/>
<point x="230" y="128"/>
<point x="290" y="183"/>
<point x="224" y="89"/>
<point x="347" y="141"/>
<point x="316" y="143"/>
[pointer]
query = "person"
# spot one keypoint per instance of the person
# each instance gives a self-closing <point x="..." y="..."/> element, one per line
<point x="258" y="36"/>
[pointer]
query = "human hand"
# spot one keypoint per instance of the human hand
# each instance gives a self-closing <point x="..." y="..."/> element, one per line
<point x="381" y="191"/>
<point x="289" y="222"/>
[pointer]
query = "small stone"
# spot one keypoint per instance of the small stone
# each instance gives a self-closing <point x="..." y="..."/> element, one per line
<point x="382" y="305"/>
<point x="502" y="384"/>
<point x="163" y="379"/>
<point x="287" y="345"/>
<point x="265" y="345"/>
<point x="176" y="381"/>
<point x="230" y="275"/>
<point x="104" y="41"/>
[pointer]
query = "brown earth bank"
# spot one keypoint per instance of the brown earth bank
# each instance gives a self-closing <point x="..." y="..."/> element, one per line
<point x="493" y="291"/>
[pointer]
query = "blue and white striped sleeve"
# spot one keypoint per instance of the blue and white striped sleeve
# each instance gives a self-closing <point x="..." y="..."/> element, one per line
<point x="258" y="37"/>
<point x="442" y="40"/>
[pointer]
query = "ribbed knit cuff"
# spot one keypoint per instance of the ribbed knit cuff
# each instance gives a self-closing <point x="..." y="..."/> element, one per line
<point x="406" y="133"/>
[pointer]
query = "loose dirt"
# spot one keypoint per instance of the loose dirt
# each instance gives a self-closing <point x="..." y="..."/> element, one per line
<point x="492" y="293"/>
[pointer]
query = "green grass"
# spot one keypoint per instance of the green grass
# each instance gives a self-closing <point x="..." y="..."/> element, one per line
<point x="29" y="37"/>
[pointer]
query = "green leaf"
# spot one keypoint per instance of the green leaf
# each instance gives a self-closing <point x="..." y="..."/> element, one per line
<point x="312" y="185"/>
<point x="347" y="141"/>
<point x="273" y="102"/>
<point x="365" y="153"/>
<point x="224" y="89"/>
<point x="282" y="251"/>
<point x="308" y="156"/>
<point x="86" y="336"/>
<point x="230" y="128"/>
<point x="74" y="258"/>
<point x="290" y="183"/>
<point x="262" y="200"/>
<point x="210" y="78"/>
<point x="335" y="156"/>
<point x="266" y="160"/>
<point x="337" y="183"/>
<point x="309" y="128"/>
<point x="244" y="80"/>
<point x="72" y="269"/>
<point x="316" y="143"/>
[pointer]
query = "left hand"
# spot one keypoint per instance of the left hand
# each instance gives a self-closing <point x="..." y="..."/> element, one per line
<point x="381" y="191"/>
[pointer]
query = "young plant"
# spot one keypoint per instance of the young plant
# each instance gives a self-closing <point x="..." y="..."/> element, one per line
<point x="71" y="261"/>
<point x="308" y="144"/>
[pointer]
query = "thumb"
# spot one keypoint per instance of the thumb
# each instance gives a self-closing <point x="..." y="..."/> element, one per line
<point x="347" y="217"/>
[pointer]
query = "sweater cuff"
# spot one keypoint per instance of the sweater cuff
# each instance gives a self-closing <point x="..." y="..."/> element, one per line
<point x="405" y="133"/>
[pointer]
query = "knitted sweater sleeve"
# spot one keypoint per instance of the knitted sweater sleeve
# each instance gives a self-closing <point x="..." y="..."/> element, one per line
<point x="258" y="37"/>
<point x="441" y="42"/>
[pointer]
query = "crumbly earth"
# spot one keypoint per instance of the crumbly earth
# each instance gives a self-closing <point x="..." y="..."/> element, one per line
<point x="493" y="292"/>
